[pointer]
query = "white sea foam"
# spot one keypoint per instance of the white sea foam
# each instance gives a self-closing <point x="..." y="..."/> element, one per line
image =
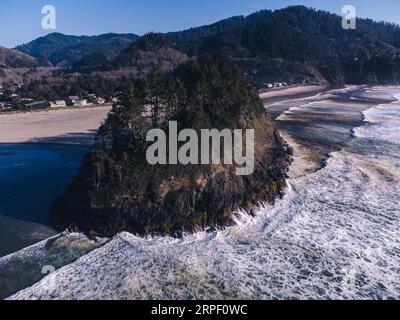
<point x="335" y="235"/>
<point x="382" y="124"/>
<point x="378" y="93"/>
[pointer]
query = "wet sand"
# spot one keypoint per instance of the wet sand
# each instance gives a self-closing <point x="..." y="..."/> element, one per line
<point x="319" y="124"/>
<point x="79" y="126"/>
<point x="292" y="92"/>
<point x="67" y="126"/>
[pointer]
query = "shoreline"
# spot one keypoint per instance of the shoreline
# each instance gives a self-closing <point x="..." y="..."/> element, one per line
<point x="49" y="110"/>
<point x="301" y="148"/>
<point x="44" y="143"/>
<point x="292" y="92"/>
<point x="321" y="123"/>
<point x="57" y="127"/>
<point x="78" y="126"/>
<point x="37" y="174"/>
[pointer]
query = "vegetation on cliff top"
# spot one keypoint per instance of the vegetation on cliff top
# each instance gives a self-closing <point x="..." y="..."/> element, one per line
<point x="117" y="190"/>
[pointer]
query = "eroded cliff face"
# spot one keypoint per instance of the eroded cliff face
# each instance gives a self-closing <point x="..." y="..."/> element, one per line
<point x="120" y="191"/>
<point x="184" y="198"/>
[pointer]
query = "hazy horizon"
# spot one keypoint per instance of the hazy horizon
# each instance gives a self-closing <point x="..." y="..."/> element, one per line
<point x="140" y="17"/>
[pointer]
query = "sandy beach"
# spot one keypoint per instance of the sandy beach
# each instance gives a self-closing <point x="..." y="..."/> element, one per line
<point x="67" y="126"/>
<point x="292" y="92"/>
<point x="79" y="126"/>
<point x="316" y="120"/>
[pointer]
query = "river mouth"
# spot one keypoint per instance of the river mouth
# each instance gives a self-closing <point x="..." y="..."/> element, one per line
<point x="33" y="176"/>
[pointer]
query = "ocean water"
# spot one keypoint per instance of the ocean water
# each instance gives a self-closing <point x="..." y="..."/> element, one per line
<point x="32" y="177"/>
<point x="335" y="235"/>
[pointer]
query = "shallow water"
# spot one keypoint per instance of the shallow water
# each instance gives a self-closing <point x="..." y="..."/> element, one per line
<point x="32" y="177"/>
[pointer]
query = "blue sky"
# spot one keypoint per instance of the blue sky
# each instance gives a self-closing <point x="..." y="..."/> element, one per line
<point x="20" y="20"/>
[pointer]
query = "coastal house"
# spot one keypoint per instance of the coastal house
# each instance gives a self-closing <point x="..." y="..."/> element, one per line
<point x="268" y="85"/>
<point x="6" y="105"/>
<point x="37" y="105"/>
<point x="58" y="104"/>
<point x="100" y="101"/>
<point x="81" y="102"/>
<point x="73" y="99"/>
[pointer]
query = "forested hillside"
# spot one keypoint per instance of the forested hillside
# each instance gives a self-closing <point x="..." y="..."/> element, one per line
<point x="65" y="50"/>
<point x="295" y="44"/>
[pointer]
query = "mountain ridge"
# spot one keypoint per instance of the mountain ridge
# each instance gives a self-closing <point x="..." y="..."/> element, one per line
<point x="295" y="44"/>
<point x="291" y="44"/>
<point x="64" y="50"/>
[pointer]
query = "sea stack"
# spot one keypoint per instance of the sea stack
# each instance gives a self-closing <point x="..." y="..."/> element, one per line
<point x="118" y="190"/>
